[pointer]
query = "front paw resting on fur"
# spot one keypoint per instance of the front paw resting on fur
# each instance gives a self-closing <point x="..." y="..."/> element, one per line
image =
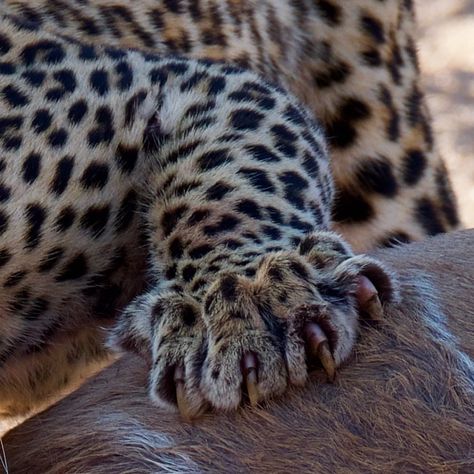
<point x="264" y="332"/>
<point x="261" y="334"/>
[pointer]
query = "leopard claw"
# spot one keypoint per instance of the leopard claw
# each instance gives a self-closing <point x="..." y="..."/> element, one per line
<point x="249" y="363"/>
<point x="319" y="348"/>
<point x="327" y="360"/>
<point x="369" y="300"/>
<point x="181" y="401"/>
<point x="373" y="309"/>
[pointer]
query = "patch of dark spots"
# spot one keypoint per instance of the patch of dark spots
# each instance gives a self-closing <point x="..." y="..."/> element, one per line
<point x="427" y="216"/>
<point x="350" y="206"/>
<point x="188" y="272"/>
<point x="258" y="179"/>
<point x="275" y="273"/>
<point x="218" y="190"/>
<point x="249" y="208"/>
<point x="200" y="251"/>
<point x="246" y="119"/>
<point x="376" y="176"/>
<point x="176" y="248"/>
<point x="171" y="217"/>
<point x="226" y="224"/>
<point x="414" y="165"/>
<point x="188" y="315"/>
<point x="228" y="287"/>
<point x="299" y="269"/>
<point x="198" y="216"/>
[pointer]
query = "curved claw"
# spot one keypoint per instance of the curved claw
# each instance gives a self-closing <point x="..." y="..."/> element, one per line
<point x="327" y="360"/>
<point x="183" y="406"/>
<point x="249" y="364"/>
<point x="319" y="347"/>
<point x="368" y="298"/>
<point x="374" y="309"/>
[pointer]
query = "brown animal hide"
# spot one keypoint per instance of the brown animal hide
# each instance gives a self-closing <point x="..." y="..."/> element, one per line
<point x="403" y="404"/>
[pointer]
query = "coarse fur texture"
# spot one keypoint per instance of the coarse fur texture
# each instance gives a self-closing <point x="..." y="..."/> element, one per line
<point x="404" y="405"/>
<point x="197" y="189"/>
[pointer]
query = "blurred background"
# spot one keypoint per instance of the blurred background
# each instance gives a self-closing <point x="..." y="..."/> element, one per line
<point x="446" y="46"/>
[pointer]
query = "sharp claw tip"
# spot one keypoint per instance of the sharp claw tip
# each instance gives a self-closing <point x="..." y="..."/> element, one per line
<point x="250" y="373"/>
<point x="373" y="308"/>
<point x="327" y="360"/>
<point x="252" y="386"/>
<point x="183" y="405"/>
<point x="369" y="300"/>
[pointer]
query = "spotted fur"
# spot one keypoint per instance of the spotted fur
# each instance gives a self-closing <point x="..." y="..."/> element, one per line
<point x="202" y="188"/>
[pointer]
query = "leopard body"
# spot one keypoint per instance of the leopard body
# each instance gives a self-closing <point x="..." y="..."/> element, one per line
<point x="155" y="158"/>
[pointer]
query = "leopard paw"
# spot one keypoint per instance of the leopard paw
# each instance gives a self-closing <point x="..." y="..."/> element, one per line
<point x="263" y="333"/>
<point x="167" y="330"/>
<point x="256" y="334"/>
<point x="177" y="352"/>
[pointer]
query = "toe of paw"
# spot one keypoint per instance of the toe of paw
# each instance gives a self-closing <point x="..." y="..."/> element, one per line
<point x="384" y="279"/>
<point x="173" y="389"/>
<point x="296" y="361"/>
<point x="226" y="372"/>
<point x="222" y="390"/>
<point x="221" y="376"/>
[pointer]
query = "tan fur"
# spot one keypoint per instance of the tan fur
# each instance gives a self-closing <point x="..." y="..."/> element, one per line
<point x="360" y="53"/>
<point x="405" y="404"/>
<point x="129" y="168"/>
<point x="126" y="173"/>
